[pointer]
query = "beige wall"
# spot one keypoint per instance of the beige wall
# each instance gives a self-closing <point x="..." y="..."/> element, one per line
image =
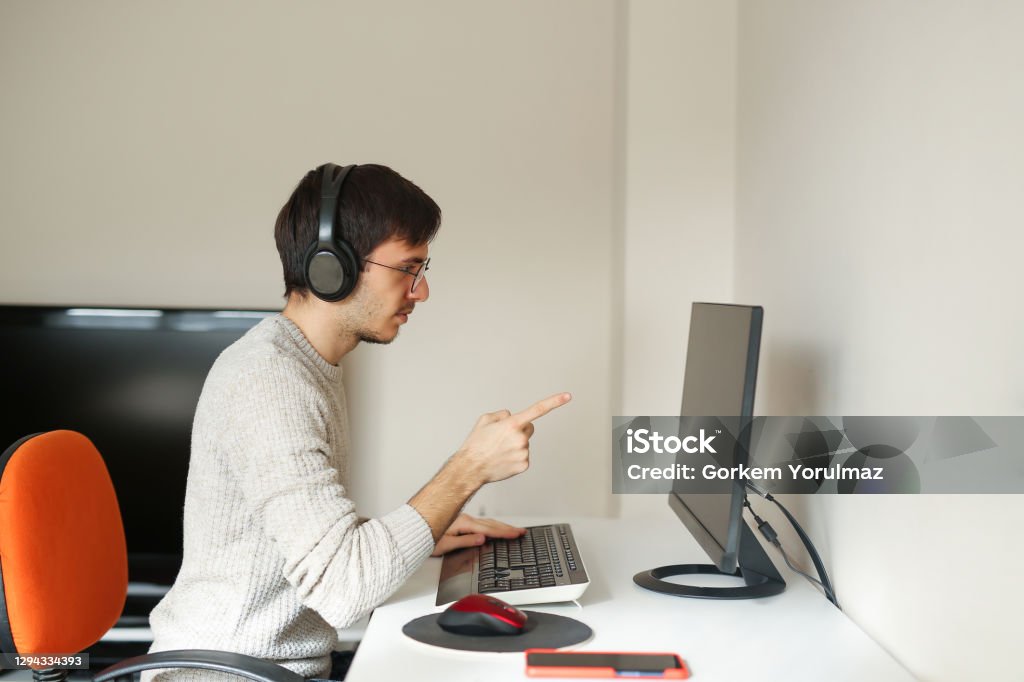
<point x="679" y="185"/>
<point x="148" y="146"/>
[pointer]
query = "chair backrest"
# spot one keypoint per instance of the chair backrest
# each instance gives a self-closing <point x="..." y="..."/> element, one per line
<point x="62" y="549"/>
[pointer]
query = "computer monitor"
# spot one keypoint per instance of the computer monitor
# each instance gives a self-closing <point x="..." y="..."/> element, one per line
<point x="721" y="375"/>
<point x="129" y="379"/>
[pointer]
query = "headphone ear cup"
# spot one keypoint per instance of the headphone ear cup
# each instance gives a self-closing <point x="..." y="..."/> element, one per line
<point x="331" y="267"/>
<point x="349" y="264"/>
<point x="331" y="274"/>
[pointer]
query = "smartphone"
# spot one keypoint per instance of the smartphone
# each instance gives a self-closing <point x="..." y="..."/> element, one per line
<point x="556" y="663"/>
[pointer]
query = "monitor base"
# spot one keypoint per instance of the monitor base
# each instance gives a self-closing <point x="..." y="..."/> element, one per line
<point x="756" y="585"/>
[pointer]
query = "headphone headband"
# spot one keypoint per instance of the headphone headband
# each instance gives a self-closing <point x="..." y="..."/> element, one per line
<point x="329" y="193"/>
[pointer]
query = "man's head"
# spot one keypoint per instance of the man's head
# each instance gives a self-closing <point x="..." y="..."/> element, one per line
<point x="389" y="223"/>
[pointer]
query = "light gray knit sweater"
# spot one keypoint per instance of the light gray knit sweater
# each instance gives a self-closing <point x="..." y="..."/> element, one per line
<point x="275" y="557"/>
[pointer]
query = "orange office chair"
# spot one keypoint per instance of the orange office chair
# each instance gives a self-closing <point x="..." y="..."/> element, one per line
<point x="64" y="567"/>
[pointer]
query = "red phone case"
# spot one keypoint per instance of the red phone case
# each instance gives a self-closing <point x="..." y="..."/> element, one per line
<point x="680" y="673"/>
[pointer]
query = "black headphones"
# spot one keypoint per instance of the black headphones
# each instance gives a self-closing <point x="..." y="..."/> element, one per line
<point x="331" y="265"/>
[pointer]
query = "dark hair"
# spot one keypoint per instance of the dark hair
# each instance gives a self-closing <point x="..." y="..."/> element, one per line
<point x="376" y="204"/>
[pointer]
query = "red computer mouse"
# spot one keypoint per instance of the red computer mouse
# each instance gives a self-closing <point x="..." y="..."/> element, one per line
<point x="478" y="614"/>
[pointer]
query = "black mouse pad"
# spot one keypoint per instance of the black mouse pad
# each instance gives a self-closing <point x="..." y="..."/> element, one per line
<point x="542" y="631"/>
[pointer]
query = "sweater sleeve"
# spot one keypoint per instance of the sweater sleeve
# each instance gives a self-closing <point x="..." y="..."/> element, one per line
<point x="340" y="568"/>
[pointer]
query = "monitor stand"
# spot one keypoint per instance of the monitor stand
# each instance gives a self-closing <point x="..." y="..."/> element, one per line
<point x="755" y="568"/>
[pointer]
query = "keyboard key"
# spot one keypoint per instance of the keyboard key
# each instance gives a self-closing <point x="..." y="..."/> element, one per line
<point x="539" y="560"/>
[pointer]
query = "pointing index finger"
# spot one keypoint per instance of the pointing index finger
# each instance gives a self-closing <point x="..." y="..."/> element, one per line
<point x="542" y="407"/>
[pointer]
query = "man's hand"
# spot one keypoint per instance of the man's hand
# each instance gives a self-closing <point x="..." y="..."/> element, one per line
<point x="498" y="447"/>
<point x="468" y="531"/>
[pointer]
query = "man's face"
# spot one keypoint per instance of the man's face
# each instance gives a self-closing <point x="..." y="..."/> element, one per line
<point x="383" y="300"/>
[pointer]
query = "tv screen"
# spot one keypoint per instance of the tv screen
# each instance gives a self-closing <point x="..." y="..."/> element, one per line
<point x="129" y="379"/>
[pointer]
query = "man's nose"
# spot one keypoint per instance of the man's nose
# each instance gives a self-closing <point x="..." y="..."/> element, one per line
<point x="422" y="292"/>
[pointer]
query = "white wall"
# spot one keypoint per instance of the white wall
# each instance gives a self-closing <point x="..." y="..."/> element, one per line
<point x="680" y="101"/>
<point x="880" y="157"/>
<point x="147" y="147"/>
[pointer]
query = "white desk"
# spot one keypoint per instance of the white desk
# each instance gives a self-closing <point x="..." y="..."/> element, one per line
<point x="797" y="635"/>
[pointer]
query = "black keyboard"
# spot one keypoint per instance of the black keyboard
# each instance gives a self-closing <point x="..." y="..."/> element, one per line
<point x="544" y="565"/>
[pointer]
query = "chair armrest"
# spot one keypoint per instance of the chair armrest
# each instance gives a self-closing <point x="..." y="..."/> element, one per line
<point x="236" y="664"/>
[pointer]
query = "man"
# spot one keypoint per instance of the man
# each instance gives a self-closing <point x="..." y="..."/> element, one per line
<point x="275" y="557"/>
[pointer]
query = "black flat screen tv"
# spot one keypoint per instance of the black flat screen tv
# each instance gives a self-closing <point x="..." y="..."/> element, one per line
<point x="129" y="379"/>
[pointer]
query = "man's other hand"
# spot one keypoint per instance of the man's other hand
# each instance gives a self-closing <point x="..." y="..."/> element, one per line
<point x="468" y="531"/>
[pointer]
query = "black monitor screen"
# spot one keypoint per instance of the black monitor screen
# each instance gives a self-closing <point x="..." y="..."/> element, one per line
<point x="721" y="373"/>
<point x="129" y="379"/>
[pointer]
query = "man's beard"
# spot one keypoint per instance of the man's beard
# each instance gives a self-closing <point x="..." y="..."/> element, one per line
<point x="367" y="311"/>
<point x="370" y="337"/>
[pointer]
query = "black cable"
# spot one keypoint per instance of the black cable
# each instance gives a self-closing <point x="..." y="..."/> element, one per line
<point x="815" y="558"/>
<point x="769" y="533"/>
<point x="796" y="569"/>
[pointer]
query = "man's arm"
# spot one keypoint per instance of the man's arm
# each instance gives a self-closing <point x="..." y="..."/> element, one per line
<point x="497" y="448"/>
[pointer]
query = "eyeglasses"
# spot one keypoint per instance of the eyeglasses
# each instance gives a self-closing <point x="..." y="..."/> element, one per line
<point x="417" y="275"/>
